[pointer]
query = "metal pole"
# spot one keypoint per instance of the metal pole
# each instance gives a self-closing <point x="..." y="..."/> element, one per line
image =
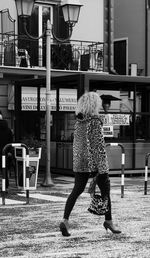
<point x="48" y="180"/>
<point x="122" y="171"/>
<point x="27" y="177"/>
<point x="146" y="173"/>
<point x="3" y="178"/>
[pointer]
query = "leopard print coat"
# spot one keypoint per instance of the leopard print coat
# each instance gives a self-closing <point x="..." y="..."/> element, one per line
<point x="89" y="154"/>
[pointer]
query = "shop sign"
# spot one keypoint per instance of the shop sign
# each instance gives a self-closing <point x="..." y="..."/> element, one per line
<point x="67" y="99"/>
<point x="111" y="120"/>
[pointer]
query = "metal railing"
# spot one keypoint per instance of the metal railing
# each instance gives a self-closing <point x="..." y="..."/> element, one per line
<point x="73" y="55"/>
<point x="4" y="151"/>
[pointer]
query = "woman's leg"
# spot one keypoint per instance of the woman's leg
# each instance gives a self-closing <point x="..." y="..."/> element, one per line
<point x="79" y="186"/>
<point x="103" y="182"/>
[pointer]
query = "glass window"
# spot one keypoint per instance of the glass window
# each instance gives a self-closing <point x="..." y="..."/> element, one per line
<point x="117" y="110"/>
<point x="142" y="118"/>
<point x="118" y="126"/>
<point x="142" y="100"/>
<point x="126" y="103"/>
<point x="142" y="125"/>
<point x="63" y="126"/>
<point x="29" y="99"/>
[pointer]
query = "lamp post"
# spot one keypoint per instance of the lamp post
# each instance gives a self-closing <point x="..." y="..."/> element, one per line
<point x="71" y="10"/>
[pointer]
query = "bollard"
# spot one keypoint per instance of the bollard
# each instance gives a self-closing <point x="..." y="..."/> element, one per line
<point x="146" y="173"/>
<point x="4" y="169"/>
<point x="3" y="179"/>
<point x="27" y="177"/>
<point x="122" y="165"/>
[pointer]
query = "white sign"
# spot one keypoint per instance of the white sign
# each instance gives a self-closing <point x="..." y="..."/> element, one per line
<point x="29" y="99"/>
<point x="108" y="131"/>
<point x="67" y="99"/>
<point x="111" y="120"/>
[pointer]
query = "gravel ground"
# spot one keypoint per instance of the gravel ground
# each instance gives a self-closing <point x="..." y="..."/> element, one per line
<point x="33" y="230"/>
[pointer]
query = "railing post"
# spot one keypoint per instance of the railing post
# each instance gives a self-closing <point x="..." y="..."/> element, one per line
<point x="122" y="164"/>
<point x="146" y="173"/>
<point x="27" y="176"/>
<point x="3" y="178"/>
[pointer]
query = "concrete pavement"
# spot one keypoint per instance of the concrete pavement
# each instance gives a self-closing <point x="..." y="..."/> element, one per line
<point x="33" y="230"/>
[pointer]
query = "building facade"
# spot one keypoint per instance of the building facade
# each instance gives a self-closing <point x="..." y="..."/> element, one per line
<point x="25" y="59"/>
<point x="85" y="62"/>
<point x="22" y="58"/>
<point x="131" y="36"/>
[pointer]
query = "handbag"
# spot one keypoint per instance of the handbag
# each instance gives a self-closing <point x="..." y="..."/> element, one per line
<point x="98" y="205"/>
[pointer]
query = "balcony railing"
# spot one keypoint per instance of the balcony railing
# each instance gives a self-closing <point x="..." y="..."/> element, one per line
<point x="73" y="55"/>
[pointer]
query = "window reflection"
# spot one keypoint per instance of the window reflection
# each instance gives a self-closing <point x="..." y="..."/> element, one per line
<point x="142" y="124"/>
<point x="118" y="122"/>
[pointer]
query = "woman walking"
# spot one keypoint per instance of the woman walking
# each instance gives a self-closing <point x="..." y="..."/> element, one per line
<point x="89" y="156"/>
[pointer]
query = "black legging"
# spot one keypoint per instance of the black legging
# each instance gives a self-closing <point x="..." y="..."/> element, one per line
<point x="81" y="179"/>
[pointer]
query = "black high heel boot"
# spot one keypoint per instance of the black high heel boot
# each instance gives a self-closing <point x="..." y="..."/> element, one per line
<point x="63" y="229"/>
<point x="109" y="225"/>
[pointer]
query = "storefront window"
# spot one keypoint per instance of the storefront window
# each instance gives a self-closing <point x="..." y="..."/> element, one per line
<point x="142" y="103"/>
<point x="142" y="120"/>
<point x="142" y="124"/>
<point x="119" y="127"/>
<point x="118" y="122"/>
<point x="29" y="99"/>
<point x="62" y="121"/>
<point x="126" y="103"/>
<point x="63" y="127"/>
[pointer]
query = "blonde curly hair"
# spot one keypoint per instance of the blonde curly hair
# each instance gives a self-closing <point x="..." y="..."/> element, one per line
<point x="89" y="104"/>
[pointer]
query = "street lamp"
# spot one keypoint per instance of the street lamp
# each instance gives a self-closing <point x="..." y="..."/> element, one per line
<point x="71" y="10"/>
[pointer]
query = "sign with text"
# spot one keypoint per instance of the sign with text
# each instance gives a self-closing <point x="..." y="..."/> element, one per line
<point x="108" y="131"/>
<point x="111" y="120"/>
<point x="67" y="99"/>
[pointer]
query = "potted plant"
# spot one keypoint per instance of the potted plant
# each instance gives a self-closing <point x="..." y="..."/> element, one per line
<point x="34" y="146"/>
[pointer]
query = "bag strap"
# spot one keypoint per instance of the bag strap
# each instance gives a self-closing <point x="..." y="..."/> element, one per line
<point x="92" y="186"/>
